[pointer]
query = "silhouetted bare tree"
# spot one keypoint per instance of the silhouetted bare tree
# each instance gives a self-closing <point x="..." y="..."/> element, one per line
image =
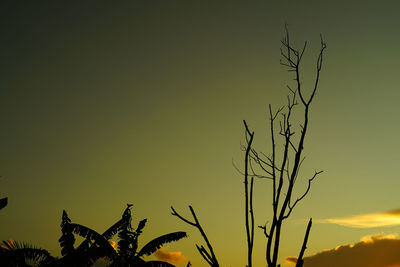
<point x="283" y="172"/>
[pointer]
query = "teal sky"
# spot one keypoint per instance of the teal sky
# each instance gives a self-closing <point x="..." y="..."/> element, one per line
<point x="106" y="103"/>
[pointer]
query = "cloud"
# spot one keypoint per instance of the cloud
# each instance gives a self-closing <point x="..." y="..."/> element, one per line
<point x="113" y="244"/>
<point x="172" y="257"/>
<point x="372" y="251"/>
<point x="369" y="220"/>
<point x="291" y="260"/>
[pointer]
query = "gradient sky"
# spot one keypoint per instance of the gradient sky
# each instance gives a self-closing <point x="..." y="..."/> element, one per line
<point x="104" y="103"/>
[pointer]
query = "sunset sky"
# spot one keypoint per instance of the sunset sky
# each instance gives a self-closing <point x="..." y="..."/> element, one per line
<point x="104" y="103"/>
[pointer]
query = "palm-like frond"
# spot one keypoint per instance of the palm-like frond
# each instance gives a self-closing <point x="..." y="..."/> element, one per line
<point x="126" y="239"/>
<point x="67" y="239"/>
<point x="114" y="229"/>
<point x="3" y="202"/>
<point x="22" y="254"/>
<point x="95" y="251"/>
<point x="127" y="213"/>
<point x="126" y="236"/>
<point x="91" y="235"/>
<point x="65" y="219"/>
<point x="125" y="221"/>
<point x="88" y="255"/>
<point x="158" y="242"/>
<point x="94" y="247"/>
<point x="128" y="243"/>
<point x="140" y="227"/>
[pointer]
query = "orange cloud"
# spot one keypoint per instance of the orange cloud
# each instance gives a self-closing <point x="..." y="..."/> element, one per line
<point x="172" y="257"/>
<point x="372" y="251"/>
<point x="291" y="260"/>
<point x="369" y="220"/>
<point x="113" y="244"/>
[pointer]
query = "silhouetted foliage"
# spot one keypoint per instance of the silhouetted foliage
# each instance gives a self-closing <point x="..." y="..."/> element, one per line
<point x="158" y="242"/>
<point x="92" y="248"/>
<point x="127" y="254"/>
<point x="13" y="253"/>
<point x="3" y="202"/>
<point x="67" y="238"/>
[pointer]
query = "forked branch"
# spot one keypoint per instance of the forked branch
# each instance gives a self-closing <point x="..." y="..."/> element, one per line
<point x="209" y="257"/>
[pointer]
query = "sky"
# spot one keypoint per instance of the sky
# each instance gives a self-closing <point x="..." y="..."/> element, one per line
<point x="104" y="103"/>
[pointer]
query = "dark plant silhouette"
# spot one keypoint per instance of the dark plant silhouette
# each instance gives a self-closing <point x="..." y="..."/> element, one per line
<point x="128" y="253"/>
<point x="283" y="173"/>
<point x="17" y="254"/>
<point x="90" y="250"/>
<point x="96" y="246"/>
<point x="3" y="202"/>
<point x="67" y="238"/>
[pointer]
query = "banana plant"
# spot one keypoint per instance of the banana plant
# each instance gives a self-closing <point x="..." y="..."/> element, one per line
<point x="128" y="253"/>
<point x="16" y="254"/>
<point x="96" y="245"/>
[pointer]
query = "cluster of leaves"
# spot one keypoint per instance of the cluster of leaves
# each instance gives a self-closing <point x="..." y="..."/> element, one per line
<point x="94" y="246"/>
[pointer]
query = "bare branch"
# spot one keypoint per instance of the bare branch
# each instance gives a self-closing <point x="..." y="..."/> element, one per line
<point x="211" y="259"/>
<point x="290" y="89"/>
<point x="249" y="198"/>
<point x="291" y="207"/>
<point x="304" y="49"/>
<point x="254" y="174"/>
<point x="174" y="213"/>
<point x="298" y="170"/>
<point x="264" y="230"/>
<point x="204" y="254"/>
<point x="237" y="168"/>
<point x="300" y="261"/>
<point x="293" y="146"/>
<point x="259" y="161"/>
<point x="319" y="67"/>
